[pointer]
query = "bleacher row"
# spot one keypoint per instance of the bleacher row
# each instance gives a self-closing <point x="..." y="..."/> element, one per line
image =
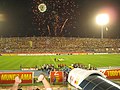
<point x="58" y="44"/>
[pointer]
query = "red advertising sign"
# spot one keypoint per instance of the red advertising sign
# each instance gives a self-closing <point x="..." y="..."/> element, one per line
<point x="56" y="76"/>
<point x="9" y="77"/>
<point x="112" y="74"/>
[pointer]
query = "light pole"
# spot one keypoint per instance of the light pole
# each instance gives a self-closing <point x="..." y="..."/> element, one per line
<point x="102" y="28"/>
<point x="102" y="19"/>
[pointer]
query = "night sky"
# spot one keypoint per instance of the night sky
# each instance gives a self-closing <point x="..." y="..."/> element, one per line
<point x="68" y="18"/>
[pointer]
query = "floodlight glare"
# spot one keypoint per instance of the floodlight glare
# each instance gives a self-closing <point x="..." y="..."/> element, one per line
<point x="102" y="19"/>
<point x="2" y="18"/>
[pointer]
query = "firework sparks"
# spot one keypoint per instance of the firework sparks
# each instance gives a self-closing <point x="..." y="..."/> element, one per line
<point x="54" y="20"/>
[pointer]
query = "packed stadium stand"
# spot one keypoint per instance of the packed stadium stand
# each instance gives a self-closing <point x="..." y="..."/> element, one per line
<point x="58" y="44"/>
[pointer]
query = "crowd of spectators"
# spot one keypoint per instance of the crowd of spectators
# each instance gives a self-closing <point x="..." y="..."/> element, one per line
<point x="47" y="68"/>
<point x="79" y="65"/>
<point x="60" y="67"/>
<point x="58" y="44"/>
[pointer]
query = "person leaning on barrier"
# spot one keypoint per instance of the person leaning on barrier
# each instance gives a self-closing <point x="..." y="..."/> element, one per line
<point x="41" y="78"/>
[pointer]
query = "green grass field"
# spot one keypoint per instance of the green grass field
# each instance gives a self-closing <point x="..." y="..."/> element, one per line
<point x="14" y="62"/>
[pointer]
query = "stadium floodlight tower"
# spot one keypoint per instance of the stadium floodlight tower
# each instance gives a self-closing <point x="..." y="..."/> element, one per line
<point x="102" y="19"/>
